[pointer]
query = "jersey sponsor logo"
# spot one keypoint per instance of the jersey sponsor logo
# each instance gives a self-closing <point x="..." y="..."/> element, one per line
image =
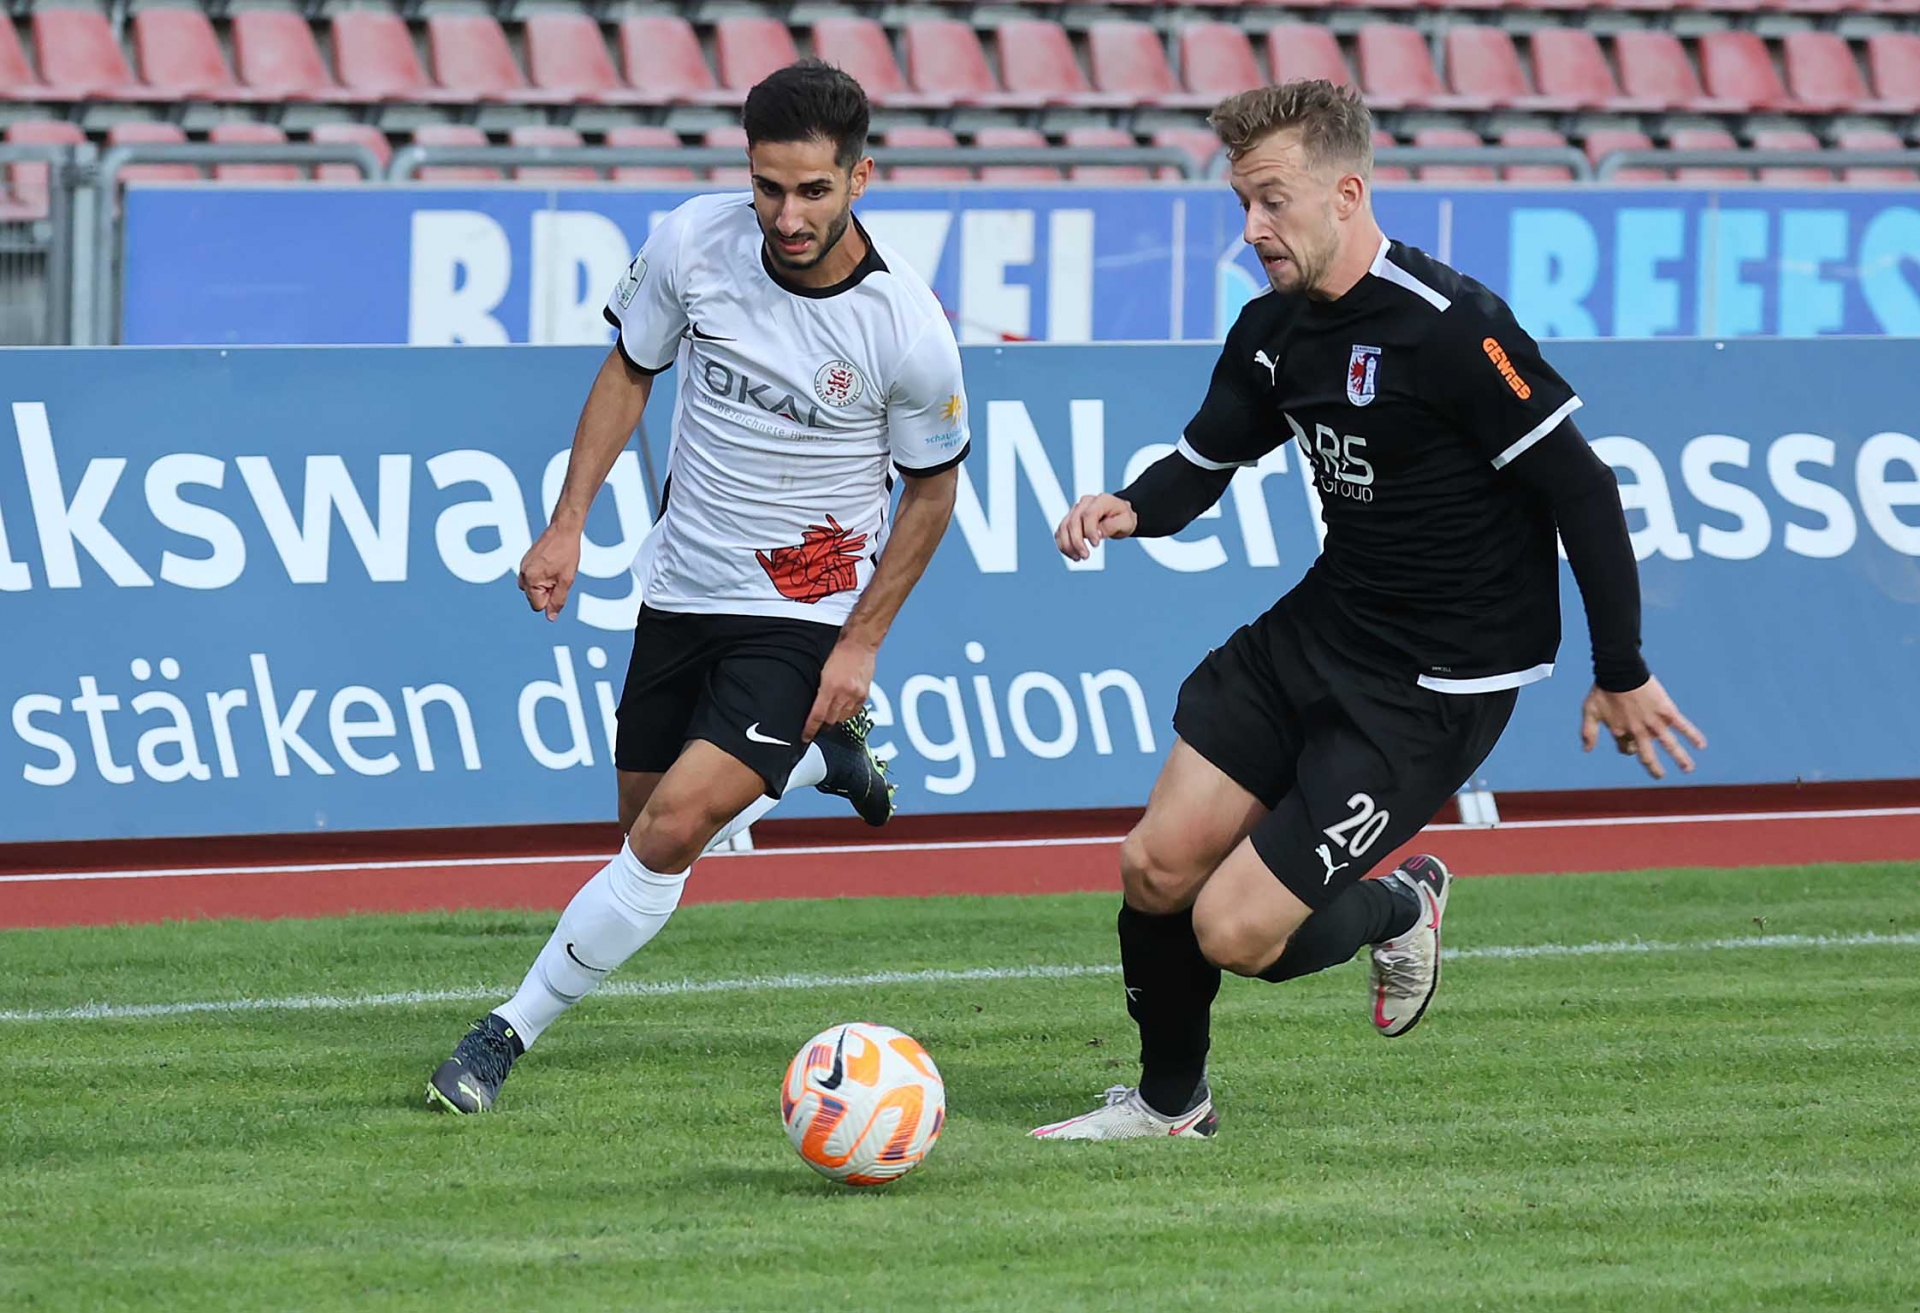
<point x="1363" y="372"/>
<point x="1262" y="358"/>
<point x="629" y="285"/>
<point x="838" y="383"/>
<point x="946" y="441"/>
<point x="950" y="409"/>
<point x="1339" y="460"/>
<point x="823" y="564"/>
<point x="1502" y="362"/>
<point x="737" y="385"/>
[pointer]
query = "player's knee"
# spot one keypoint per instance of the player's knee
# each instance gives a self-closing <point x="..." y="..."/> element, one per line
<point x="1234" y="944"/>
<point x="1150" y="882"/>
<point x="668" y="839"/>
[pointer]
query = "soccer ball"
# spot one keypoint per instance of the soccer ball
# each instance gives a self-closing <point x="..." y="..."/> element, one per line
<point x="863" y="1103"/>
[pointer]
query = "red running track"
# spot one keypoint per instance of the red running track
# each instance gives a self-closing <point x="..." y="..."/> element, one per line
<point x="1022" y="866"/>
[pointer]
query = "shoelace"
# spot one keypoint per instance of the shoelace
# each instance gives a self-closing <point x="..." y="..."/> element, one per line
<point x="1116" y="1094"/>
<point x="487" y="1055"/>
<point x="859" y="724"/>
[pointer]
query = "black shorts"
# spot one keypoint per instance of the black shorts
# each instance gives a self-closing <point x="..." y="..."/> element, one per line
<point x="1352" y="757"/>
<point x="743" y="683"/>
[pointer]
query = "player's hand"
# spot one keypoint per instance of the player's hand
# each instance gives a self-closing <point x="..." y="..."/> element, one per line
<point x="1637" y="720"/>
<point x="547" y="570"/>
<point x="844" y="683"/>
<point x="1092" y="520"/>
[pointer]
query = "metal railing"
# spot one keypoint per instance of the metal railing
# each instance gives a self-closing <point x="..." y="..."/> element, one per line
<point x="1831" y="160"/>
<point x="1487" y="156"/>
<point x="408" y="161"/>
<point x="36" y="250"/>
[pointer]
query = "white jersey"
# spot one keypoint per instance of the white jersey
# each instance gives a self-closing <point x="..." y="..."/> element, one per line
<point x="794" y="406"/>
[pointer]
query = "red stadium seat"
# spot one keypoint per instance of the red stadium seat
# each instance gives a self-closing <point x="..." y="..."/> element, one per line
<point x="1387" y="172"/>
<point x="860" y="46"/>
<point x="355" y="134"/>
<point x="1736" y="66"/>
<point x="1823" y="75"/>
<point x="1721" y="7"/>
<point x="1200" y="144"/>
<point x="1483" y="61"/>
<point x="30" y="180"/>
<point x="180" y="56"/>
<point x="1874" y="139"/>
<point x="1454" y="173"/>
<point x="1706" y="139"/>
<point x="1531" y="174"/>
<point x="1103" y="137"/>
<point x="252" y="134"/>
<point x="567" y="55"/>
<point x="373" y="52"/>
<point x="453" y="134"/>
<point x="1396" y="67"/>
<point x="735" y="137"/>
<point x="1036" y="57"/>
<point x="17" y="80"/>
<point x="1654" y="66"/>
<point x="79" y="59"/>
<point x="1894" y="60"/>
<point x="747" y="49"/>
<point x="142" y="133"/>
<point x="1128" y="60"/>
<point x="1605" y="141"/>
<point x="1307" y="50"/>
<point x="1568" y="62"/>
<point x="471" y="54"/>
<point x="921" y="135"/>
<point x="1015" y="138"/>
<point x="944" y="58"/>
<point x="664" y="63"/>
<point x="1216" y="60"/>
<point x="278" y="58"/>
<point x="647" y="135"/>
<point x="542" y="134"/>
<point x="1794" y="175"/>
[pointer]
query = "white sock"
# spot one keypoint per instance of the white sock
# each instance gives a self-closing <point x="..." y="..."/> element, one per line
<point x="609" y="920"/>
<point x="809" y="772"/>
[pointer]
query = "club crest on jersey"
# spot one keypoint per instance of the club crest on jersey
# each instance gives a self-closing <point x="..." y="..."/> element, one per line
<point x="1363" y="372"/>
<point x="629" y="284"/>
<point x="838" y="383"/>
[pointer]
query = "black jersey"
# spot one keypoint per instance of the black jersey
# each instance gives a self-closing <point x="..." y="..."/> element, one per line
<point x="1411" y="394"/>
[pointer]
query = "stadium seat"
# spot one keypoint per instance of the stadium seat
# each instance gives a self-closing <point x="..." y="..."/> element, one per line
<point x="1654" y="66"/>
<point x="543" y="134"/>
<point x="1534" y="174"/>
<point x="355" y="134"/>
<point x="1016" y="138"/>
<point x="860" y="46"/>
<point x="1823" y="75"/>
<point x="145" y="133"/>
<point x="1216" y="60"/>
<point x="1396" y="67"/>
<point x="647" y="135"/>
<point x="1452" y="173"/>
<point x="735" y="138"/>
<point x="1874" y="139"/>
<point x="944" y="58"/>
<point x="373" y="53"/>
<point x="1483" y="61"/>
<point x="1387" y="172"/>
<point x="17" y="80"/>
<point x="749" y="48"/>
<point x="1808" y="6"/>
<point x="453" y="134"/>
<point x="1720" y="8"/>
<point x="180" y="57"/>
<point x="1894" y="60"/>
<point x="30" y="180"/>
<point x="1603" y="142"/>
<point x="1793" y="175"/>
<point x="277" y="58"/>
<point x="471" y="54"/>
<point x="1200" y="144"/>
<point x="1129" y="60"/>
<point x="1736" y="67"/>
<point x="917" y="134"/>
<point x="79" y="59"/>
<point x="1706" y="139"/>
<point x="1103" y="137"/>
<point x="1036" y="57"/>
<point x="252" y="134"/>
<point x="567" y="55"/>
<point x="1568" y="62"/>
<point x="1307" y="50"/>
<point x="663" y="62"/>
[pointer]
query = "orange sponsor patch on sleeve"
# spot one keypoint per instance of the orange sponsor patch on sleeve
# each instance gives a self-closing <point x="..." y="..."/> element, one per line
<point x="1498" y="355"/>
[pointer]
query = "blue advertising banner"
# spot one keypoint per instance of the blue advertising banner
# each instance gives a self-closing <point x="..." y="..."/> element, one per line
<point x="273" y="590"/>
<point x="437" y="266"/>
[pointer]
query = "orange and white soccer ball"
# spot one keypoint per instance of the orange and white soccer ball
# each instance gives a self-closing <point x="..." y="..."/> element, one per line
<point x="863" y="1103"/>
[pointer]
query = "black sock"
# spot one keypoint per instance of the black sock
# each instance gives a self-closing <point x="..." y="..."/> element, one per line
<point x="1367" y="913"/>
<point x="1170" y="990"/>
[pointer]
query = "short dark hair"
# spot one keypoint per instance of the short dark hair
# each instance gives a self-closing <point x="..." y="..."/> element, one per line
<point x="809" y="101"/>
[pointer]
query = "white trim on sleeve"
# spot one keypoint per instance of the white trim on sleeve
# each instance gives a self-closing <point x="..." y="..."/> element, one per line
<point x="1539" y="431"/>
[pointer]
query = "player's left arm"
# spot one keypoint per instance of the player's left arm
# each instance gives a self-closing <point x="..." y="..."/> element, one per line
<point x="1520" y="410"/>
<point x="928" y="436"/>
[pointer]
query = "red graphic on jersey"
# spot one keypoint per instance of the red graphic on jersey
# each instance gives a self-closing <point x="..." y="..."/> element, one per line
<point x="822" y="565"/>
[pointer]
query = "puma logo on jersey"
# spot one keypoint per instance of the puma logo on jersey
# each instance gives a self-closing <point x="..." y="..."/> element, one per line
<point x="1261" y="358"/>
<point x="1326" y="859"/>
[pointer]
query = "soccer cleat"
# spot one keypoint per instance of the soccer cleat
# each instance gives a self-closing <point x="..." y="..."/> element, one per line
<point x="1405" y="970"/>
<point x="853" y="772"/>
<point x="1126" y="1116"/>
<point x="470" y="1080"/>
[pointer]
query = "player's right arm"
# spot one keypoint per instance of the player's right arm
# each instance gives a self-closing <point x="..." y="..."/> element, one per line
<point x="647" y="309"/>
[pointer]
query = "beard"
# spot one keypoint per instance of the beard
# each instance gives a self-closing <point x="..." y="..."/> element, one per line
<point x="835" y="231"/>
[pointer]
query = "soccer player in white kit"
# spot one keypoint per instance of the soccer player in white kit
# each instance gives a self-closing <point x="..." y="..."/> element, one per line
<point x="814" y="364"/>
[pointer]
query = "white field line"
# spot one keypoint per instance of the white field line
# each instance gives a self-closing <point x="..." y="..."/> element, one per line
<point x="763" y="984"/>
<point x="979" y="845"/>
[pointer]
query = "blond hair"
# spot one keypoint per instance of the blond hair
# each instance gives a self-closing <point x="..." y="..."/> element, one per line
<point x="1335" y="127"/>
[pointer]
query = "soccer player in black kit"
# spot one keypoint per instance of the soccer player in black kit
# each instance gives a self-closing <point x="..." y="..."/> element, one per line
<point x="1329" y="731"/>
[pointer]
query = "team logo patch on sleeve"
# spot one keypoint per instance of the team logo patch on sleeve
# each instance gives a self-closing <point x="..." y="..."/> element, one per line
<point x="1363" y="373"/>
<point x="838" y="383"/>
<point x="629" y="285"/>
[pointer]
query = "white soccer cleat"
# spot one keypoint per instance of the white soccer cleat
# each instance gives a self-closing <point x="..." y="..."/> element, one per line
<point x="1126" y="1116"/>
<point x="1405" y="970"/>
